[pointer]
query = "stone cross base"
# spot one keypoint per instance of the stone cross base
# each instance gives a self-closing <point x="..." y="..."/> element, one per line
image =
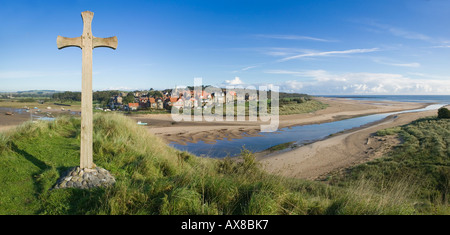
<point x="85" y="178"/>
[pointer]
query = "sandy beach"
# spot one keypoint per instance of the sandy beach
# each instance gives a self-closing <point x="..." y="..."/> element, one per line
<point x="181" y="132"/>
<point x="337" y="153"/>
<point x="311" y="161"/>
<point x="164" y="126"/>
<point x="8" y="122"/>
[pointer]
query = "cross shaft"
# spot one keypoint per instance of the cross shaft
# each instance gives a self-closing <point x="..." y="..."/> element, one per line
<point x="86" y="42"/>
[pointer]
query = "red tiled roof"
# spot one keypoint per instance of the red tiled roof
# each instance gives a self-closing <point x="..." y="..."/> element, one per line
<point x="133" y="104"/>
<point x="173" y="99"/>
<point x="152" y="100"/>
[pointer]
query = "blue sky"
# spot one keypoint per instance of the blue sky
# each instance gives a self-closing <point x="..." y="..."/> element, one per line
<point x="309" y="46"/>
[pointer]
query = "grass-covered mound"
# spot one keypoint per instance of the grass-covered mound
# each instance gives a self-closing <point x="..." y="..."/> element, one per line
<point x="152" y="178"/>
<point x="294" y="106"/>
<point x="419" y="167"/>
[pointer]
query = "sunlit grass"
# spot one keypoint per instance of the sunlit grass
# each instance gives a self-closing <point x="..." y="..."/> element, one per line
<point x="152" y="178"/>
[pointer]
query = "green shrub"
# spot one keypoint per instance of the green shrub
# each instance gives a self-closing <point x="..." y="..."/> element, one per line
<point x="389" y="131"/>
<point x="443" y="113"/>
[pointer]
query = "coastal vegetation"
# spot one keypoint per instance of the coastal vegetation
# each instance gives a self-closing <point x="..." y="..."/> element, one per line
<point x="287" y="106"/>
<point x="443" y="113"/>
<point x="298" y="106"/>
<point x="282" y="146"/>
<point x="153" y="178"/>
<point x="420" y="165"/>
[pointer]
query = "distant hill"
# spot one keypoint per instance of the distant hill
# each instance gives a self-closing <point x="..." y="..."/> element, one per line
<point x="31" y="93"/>
<point x="37" y="92"/>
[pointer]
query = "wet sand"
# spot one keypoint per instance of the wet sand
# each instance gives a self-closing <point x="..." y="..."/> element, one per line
<point x="181" y="132"/>
<point x="8" y="122"/>
<point x="312" y="161"/>
<point x="337" y="153"/>
<point x="185" y="131"/>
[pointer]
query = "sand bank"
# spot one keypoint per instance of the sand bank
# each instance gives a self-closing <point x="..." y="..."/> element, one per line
<point x="336" y="153"/>
<point x="311" y="161"/>
<point x="181" y="132"/>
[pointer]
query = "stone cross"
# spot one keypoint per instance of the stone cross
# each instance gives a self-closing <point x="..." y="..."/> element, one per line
<point x="86" y="42"/>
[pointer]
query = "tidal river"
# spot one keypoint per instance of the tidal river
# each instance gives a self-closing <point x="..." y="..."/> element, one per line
<point x="298" y="134"/>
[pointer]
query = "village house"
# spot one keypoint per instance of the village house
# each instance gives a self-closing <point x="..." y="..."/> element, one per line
<point x="115" y="102"/>
<point x="156" y="103"/>
<point x="152" y="103"/>
<point x="230" y="96"/>
<point x="178" y="104"/>
<point x="144" y="102"/>
<point x="178" y="98"/>
<point x="191" y="103"/>
<point x="133" y="106"/>
<point x="159" y="103"/>
<point x="174" y="93"/>
<point x="251" y="96"/>
<point x="204" y="97"/>
<point x="218" y="98"/>
<point x="173" y="101"/>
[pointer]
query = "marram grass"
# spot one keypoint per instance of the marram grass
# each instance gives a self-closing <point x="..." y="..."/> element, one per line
<point x="153" y="178"/>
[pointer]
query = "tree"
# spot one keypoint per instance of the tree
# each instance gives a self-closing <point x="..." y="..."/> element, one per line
<point x="155" y="94"/>
<point x="443" y="113"/>
<point x="67" y="96"/>
<point x="129" y="98"/>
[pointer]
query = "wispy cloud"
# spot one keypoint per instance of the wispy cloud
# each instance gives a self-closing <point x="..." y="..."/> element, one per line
<point x="245" y="68"/>
<point x="441" y="46"/>
<point x="399" y="32"/>
<point x="409" y="65"/>
<point x="329" y="53"/>
<point x="281" y="51"/>
<point x="430" y="76"/>
<point x="324" y="82"/>
<point x="405" y="33"/>
<point x="248" y="67"/>
<point x="293" y="37"/>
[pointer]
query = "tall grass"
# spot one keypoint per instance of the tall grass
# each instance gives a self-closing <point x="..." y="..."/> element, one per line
<point x="152" y="178"/>
<point x="368" y="196"/>
<point x="4" y="142"/>
<point x="418" y="170"/>
<point x="298" y="108"/>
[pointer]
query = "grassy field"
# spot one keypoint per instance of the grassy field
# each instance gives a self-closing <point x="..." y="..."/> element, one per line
<point x="17" y="103"/>
<point x="298" y="108"/>
<point x="152" y="178"/>
<point x="286" y="107"/>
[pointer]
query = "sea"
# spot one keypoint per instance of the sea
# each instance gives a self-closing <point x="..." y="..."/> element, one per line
<point x="305" y="134"/>
<point x="439" y="99"/>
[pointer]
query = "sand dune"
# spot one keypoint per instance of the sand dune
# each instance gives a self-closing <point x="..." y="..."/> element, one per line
<point x="339" y="152"/>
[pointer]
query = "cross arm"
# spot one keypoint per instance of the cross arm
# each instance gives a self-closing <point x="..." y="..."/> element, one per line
<point x="63" y="42"/>
<point x="110" y="42"/>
